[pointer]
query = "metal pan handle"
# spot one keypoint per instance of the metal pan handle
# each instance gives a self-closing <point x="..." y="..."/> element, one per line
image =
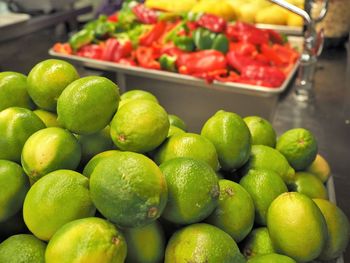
<point x="323" y="12"/>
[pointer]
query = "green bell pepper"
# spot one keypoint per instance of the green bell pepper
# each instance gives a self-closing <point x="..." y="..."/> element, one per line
<point x="184" y="43"/>
<point x="221" y="43"/>
<point x="167" y="63"/>
<point x="81" y="38"/>
<point x="205" y="39"/>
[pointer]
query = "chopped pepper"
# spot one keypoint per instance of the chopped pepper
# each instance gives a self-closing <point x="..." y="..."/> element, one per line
<point x="146" y="57"/>
<point x="116" y="49"/>
<point x="168" y="62"/>
<point x="144" y="14"/>
<point x="205" y="39"/>
<point x="63" y="48"/>
<point x="91" y="51"/>
<point x="81" y="38"/>
<point x="212" y="22"/>
<point x="184" y="43"/>
<point x="262" y="75"/>
<point x="153" y="35"/>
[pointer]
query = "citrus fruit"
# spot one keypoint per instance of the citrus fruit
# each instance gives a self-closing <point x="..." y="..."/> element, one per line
<point x="338" y="229"/>
<point x="138" y="94"/>
<point x="56" y="199"/>
<point x="271" y="258"/>
<point x="297" y="227"/>
<point x="261" y="130"/>
<point x="177" y="121"/>
<point x="14" y="185"/>
<point x="87" y="240"/>
<point x="320" y="168"/>
<point x="263" y="186"/>
<point x="95" y="143"/>
<point x="49" y="118"/>
<point x="48" y="150"/>
<point x="13" y="91"/>
<point x="267" y="158"/>
<point x="299" y="146"/>
<point x="22" y="248"/>
<point x="16" y="125"/>
<point x="202" y="243"/>
<point x="188" y="145"/>
<point x="139" y="126"/>
<point x="146" y="244"/>
<point x="47" y="80"/>
<point x="88" y="104"/>
<point x="235" y="211"/>
<point x="129" y="189"/>
<point x="90" y="166"/>
<point x="258" y="242"/>
<point x="231" y="137"/>
<point x="174" y="130"/>
<point x="193" y="190"/>
<point x="308" y="184"/>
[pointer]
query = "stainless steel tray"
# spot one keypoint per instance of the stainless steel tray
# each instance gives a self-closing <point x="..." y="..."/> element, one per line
<point x="289" y="30"/>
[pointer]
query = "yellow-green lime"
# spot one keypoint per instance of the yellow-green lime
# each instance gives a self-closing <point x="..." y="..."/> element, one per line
<point x="129" y="189"/>
<point x="88" y="104"/>
<point x="138" y="94"/>
<point x="174" y="130"/>
<point x="48" y="79"/>
<point x="263" y="186"/>
<point x="297" y="227"/>
<point x="188" y="145"/>
<point x="261" y="130"/>
<point x="22" y="248"/>
<point x="258" y="242"/>
<point x="48" y="150"/>
<point x="90" y="166"/>
<point x="56" y="199"/>
<point x="193" y="190"/>
<point x="267" y="158"/>
<point x="338" y="230"/>
<point x="320" y="168"/>
<point x="202" y="243"/>
<point x="177" y="121"/>
<point x="231" y="137"/>
<point x="13" y="91"/>
<point x="308" y="184"/>
<point x="299" y="146"/>
<point x="271" y="258"/>
<point x="14" y="185"/>
<point x="16" y="125"/>
<point x="146" y="244"/>
<point x="88" y="240"/>
<point x="95" y="143"/>
<point x="235" y="211"/>
<point x="49" y="118"/>
<point x="139" y="126"/>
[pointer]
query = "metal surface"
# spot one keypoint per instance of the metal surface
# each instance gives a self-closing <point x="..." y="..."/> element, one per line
<point x="289" y="30"/>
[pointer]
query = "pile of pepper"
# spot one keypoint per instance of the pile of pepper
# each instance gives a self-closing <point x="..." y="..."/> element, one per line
<point x="200" y="45"/>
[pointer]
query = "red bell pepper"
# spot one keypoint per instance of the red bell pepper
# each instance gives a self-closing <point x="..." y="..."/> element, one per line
<point x="146" y="57"/>
<point x="243" y="48"/>
<point x="272" y="55"/>
<point x="230" y="77"/>
<point x="262" y="75"/>
<point x="212" y="22"/>
<point x="91" y="51"/>
<point x="247" y="33"/>
<point x="144" y="14"/>
<point x="113" y="18"/>
<point x="116" y="49"/>
<point x="274" y="36"/>
<point x="153" y="35"/>
<point x="239" y="61"/>
<point x="63" y="48"/>
<point x="127" y="62"/>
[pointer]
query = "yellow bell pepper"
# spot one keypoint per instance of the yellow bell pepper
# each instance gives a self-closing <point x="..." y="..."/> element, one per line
<point x="222" y="8"/>
<point x="177" y="6"/>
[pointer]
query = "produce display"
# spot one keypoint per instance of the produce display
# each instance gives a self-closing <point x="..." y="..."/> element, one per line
<point x="98" y="176"/>
<point x="200" y="44"/>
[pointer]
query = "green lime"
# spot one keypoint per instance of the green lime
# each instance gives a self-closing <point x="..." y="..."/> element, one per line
<point x="297" y="227"/>
<point x="56" y="199"/>
<point x="22" y="248"/>
<point x="299" y="146"/>
<point x="49" y="118"/>
<point x="320" y="168"/>
<point x="129" y="189"/>
<point x="88" y="104"/>
<point x="139" y="126"/>
<point x="90" y="166"/>
<point x="188" y="145"/>
<point x="48" y="150"/>
<point x="47" y="80"/>
<point x="13" y="91"/>
<point x="138" y="94"/>
<point x="271" y="258"/>
<point x="308" y="184"/>
<point x="261" y="130"/>
<point x="202" y="243"/>
<point x="235" y="211"/>
<point x="263" y="186"/>
<point x="177" y="121"/>
<point x="258" y="242"/>
<point x="193" y="190"/>
<point x="231" y="137"/>
<point x="266" y="158"/>
<point x="338" y="230"/>
<point x="146" y="244"/>
<point x="14" y="185"/>
<point x="174" y="130"/>
<point x="16" y="125"/>
<point x="87" y="240"/>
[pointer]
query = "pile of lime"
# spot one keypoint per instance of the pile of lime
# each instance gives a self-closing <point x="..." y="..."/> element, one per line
<point x="91" y="175"/>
